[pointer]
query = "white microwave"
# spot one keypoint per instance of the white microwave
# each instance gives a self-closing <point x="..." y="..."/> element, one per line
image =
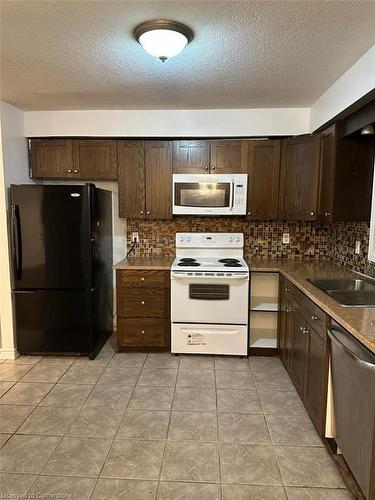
<point x="209" y="194"/>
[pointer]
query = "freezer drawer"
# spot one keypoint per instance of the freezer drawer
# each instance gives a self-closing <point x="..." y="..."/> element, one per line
<point x="209" y="339"/>
<point x="54" y="321"/>
<point x="353" y="381"/>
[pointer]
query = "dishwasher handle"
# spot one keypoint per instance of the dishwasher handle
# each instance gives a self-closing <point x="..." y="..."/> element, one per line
<point x="343" y="347"/>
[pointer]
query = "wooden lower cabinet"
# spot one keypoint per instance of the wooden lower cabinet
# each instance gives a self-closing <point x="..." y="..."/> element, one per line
<point x="303" y="347"/>
<point x="143" y="310"/>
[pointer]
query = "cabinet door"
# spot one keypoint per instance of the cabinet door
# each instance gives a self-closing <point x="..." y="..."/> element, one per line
<point x="316" y="379"/>
<point x="131" y="179"/>
<point x="299" y="178"/>
<point x="228" y="156"/>
<point x="263" y="181"/>
<point x="159" y="180"/>
<point x="95" y="159"/>
<point x="298" y="354"/>
<point x="191" y="157"/>
<point x="51" y="158"/>
<point x="327" y="173"/>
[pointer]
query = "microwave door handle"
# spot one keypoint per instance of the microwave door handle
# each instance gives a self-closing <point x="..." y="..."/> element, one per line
<point x="231" y="195"/>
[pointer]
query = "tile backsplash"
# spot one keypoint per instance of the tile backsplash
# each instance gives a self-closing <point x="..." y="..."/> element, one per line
<point x="263" y="238"/>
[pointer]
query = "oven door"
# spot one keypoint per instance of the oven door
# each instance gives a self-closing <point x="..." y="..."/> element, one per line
<point x="202" y="194"/>
<point x="213" y="300"/>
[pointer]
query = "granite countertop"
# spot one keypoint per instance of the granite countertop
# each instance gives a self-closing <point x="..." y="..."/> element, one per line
<point x="156" y="263"/>
<point x="359" y="321"/>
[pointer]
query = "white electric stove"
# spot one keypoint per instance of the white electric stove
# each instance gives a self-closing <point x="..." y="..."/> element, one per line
<point x="209" y="294"/>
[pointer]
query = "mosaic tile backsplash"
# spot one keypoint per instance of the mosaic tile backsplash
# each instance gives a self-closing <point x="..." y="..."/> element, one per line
<point x="263" y="238"/>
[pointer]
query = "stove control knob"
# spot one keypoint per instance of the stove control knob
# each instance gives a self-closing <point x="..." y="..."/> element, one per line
<point x="230" y="239"/>
<point x="188" y="239"/>
<point x="182" y="239"/>
<point x="237" y="239"/>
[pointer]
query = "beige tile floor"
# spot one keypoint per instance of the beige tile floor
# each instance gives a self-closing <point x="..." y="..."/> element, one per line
<point x="136" y="426"/>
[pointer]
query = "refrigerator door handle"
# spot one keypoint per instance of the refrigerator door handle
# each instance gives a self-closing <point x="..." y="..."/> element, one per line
<point x="17" y="242"/>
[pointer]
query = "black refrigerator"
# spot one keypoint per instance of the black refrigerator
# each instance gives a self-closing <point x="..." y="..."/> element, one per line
<point x="61" y="240"/>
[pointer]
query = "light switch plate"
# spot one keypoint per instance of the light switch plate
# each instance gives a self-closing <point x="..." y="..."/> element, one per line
<point x="286" y="238"/>
<point x="135" y="237"/>
<point x="357" y="247"/>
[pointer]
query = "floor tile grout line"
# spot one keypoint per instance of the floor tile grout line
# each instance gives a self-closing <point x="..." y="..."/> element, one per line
<point x="114" y="437"/>
<point x="167" y="434"/>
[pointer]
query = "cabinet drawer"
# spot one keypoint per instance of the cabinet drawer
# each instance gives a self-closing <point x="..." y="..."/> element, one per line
<point x="143" y="332"/>
<point x="147" y="303"/>
<point x="311" y="313"/>
<point x="138" y="279"/>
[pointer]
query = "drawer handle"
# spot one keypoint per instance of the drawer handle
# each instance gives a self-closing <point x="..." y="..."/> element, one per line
<point x="288" y="310"/>
<point x="142" y="302"/>
<point x="69" y="171"/>
<point x="75" y="171"/>
<point x="141" y="212"/>
<point x="314" y="318"/>
<point x="142" y="279"/>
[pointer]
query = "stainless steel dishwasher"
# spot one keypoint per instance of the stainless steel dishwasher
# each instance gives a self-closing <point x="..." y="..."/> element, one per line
<point x="353" y="381"/>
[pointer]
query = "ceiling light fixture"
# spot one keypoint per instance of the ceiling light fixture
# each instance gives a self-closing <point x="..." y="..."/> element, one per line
<point x="163" y="38"/>
<point x="369" y="130"/>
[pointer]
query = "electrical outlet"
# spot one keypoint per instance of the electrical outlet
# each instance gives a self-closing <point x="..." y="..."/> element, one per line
<point x="286" y="238"/>
<point x="135" y="237"/>
<point x="358" y="247"/>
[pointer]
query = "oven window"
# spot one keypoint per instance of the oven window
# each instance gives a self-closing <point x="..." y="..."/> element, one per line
<point x="208" y="292"/>
<point x="202" y="194"/>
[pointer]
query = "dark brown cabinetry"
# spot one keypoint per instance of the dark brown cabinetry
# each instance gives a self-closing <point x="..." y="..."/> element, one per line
<point x="299" y="179"/>
<point x="302" y="341"/>
<point x="51" y="158"/>
<point x="191" y="157"/>
<point x="263" y="179"/>
<point x="222" y="156"/>
<point x="145" y="179"/>
<point x="143" y="310"/>
<point x="95" y="159"/>
<point x="346" y="171"/>
<point x="73" y="159"/>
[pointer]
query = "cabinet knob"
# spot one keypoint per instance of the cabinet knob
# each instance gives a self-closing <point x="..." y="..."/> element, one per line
<point x="69" y="171"/>
<point x="312" y="213"/>
<point x="287" y="290"/>
<point x="288" y="310"/>
<point x="206" y="167"/>
<point x="301" y="328"/>
<point x="141" y="212"/>
<point x="314" y="318"/>
<point x="327" y="214"/>
<point x="213" y="167"/>
<point x="249" y="212"/>
<point x="142" y="279"/>
<point x="143" y="331"/>
<point x="75" y="171"/>
<point x="148" y="212"/>
<point x="142" y="302"/>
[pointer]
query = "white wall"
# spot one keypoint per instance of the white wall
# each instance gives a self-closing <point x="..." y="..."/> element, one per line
<point x="168" y="123"/>
<point x="13" y="169"/>
<point x="358" y="81"/>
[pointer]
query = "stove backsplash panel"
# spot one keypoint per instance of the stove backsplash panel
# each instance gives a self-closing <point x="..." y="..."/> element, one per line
<point x="262" y="238"/>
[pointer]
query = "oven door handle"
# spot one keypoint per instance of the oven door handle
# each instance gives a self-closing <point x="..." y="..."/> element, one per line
<point x="232" y="278"/>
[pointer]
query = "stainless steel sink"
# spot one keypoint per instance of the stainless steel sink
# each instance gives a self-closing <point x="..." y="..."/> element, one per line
<point x="348" y="292"/>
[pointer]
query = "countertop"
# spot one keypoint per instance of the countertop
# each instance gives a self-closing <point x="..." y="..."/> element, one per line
<point x="359" y="321"/>
<point x="156" y="263"/>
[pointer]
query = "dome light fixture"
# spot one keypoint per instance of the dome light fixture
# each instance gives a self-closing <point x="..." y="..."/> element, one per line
<point x="163" y="38"/>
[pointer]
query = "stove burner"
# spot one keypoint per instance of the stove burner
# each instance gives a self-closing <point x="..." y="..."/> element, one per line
<point x="229" y="261"/>
<point x="233" y="264"/>
<point x="187" y="259"/>
<point x="188" y="264"/>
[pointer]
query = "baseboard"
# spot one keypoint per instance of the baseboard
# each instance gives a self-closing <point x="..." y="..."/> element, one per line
<point x="8" y="354"/>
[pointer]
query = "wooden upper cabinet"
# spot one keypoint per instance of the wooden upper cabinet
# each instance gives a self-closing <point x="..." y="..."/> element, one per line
<point x="191" y="157"/>
<point x="51" y="158"/>
<point x="299" y="179"/>
<point x="328" y="146"/>
<point x="263" y="179"/>
<point x="131" y="179"/>
<point x="158" y="156"/>
<point x="228" y="156"/>
<point x="95" y="158"/>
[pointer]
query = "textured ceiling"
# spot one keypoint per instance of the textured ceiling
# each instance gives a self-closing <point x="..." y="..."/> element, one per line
<point x="81" y="55"/>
